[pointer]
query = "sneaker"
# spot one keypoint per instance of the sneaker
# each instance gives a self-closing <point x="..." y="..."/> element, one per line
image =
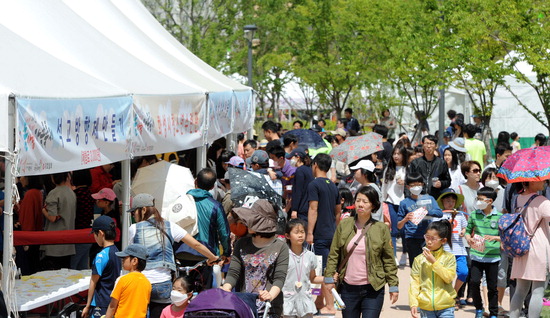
<point x="403" y="260"/>
<point x="479" y="313"/>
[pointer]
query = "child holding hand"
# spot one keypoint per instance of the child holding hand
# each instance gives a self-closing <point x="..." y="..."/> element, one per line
<point x="431" y="293"/>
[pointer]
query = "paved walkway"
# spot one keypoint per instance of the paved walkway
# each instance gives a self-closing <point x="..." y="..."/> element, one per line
<point x="401" y="308"/>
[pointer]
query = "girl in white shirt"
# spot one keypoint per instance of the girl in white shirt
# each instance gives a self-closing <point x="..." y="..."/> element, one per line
<point x="393" y="186"/>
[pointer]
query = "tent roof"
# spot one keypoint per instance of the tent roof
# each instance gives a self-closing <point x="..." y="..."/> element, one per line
<point x="29" y="71"/>
<point x="56" y="29"/>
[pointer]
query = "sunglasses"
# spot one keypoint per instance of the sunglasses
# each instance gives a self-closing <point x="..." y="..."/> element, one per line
<point x="475" y="170"/>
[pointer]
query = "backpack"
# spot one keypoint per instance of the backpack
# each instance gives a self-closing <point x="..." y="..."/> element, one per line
<point x="514" y="237"/>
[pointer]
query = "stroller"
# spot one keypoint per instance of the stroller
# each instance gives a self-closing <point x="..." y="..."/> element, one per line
<point x="217" y="303"/>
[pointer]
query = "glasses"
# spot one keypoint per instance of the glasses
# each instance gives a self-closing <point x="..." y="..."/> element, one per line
<point x="431" y="238"/>
<point x="429" y="143"/>
<point x="475" y="170"/>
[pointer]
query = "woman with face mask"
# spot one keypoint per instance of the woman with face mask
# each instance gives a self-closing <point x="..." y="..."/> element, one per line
<point x="302" y="178"/>
<point x="471" y="170"/>
<point x="489" y="179"/>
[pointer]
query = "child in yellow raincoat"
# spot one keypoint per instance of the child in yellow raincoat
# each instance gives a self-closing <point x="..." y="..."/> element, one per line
<point x="431" y="293"/>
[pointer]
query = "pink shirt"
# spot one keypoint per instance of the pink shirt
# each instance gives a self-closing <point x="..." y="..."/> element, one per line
<point x="356" y="271"/>
<point x="168" y="312"/>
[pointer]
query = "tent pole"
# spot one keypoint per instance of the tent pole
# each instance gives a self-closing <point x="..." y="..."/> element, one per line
<point x="125" y="201"/>
<point x="8" y="203"/>
<point x="202" y="150"/>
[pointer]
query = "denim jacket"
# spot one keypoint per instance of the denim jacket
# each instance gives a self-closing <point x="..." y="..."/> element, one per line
<point x="151" y="237"/>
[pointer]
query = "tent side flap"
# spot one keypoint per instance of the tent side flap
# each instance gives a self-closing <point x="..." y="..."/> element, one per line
<point x="4" y="114"/>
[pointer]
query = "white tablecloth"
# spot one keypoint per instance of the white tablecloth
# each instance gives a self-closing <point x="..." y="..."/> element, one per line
<point x="47" y="287"/>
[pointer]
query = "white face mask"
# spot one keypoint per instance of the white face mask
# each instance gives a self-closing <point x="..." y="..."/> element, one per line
<point x="481" y="205"/>
<point x="492" y="184"/>
<point x="293" y="162"/>
<point x="416" y="190"/>
<point x="178" y="298"/>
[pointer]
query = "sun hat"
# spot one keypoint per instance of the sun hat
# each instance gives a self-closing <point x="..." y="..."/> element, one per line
<point x="135" y="250"/>
<point x="141" y="200"/>
<point x="105" y="194"/>
<point x="260" y="217"/>
<point x="263" y="143"/>
<point x="103" y="223"/>
<point x="339" y="131"/>
<point x="364" y="164"/>
<point x="458" y="144"/>
<point x="459" y="198"/>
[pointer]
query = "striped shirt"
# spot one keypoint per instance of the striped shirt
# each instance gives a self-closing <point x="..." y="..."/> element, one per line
<point x="458" y="225"/>
<point x="483" y="225"/>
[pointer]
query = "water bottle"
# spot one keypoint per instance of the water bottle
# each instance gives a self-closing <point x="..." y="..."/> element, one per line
<point x="339" y="300"/>
<point x="217" y="273"/>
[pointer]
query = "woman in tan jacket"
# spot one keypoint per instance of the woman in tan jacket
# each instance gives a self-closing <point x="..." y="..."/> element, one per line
<point x="364" y="273"/>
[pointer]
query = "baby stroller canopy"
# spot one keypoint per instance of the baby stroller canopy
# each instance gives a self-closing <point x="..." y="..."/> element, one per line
<point x="218" y="300"/>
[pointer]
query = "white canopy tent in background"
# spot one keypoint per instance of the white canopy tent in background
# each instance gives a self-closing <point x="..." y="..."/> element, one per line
<point x="94" y="57"/>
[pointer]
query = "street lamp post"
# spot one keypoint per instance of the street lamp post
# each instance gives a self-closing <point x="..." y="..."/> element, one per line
<point x="249" y="31"/>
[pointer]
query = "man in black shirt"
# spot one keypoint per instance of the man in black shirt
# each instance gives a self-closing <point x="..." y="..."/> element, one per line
<point x="433" y="169"/>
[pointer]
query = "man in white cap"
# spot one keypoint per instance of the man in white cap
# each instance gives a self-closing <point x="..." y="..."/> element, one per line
<point x="364" y="174"/>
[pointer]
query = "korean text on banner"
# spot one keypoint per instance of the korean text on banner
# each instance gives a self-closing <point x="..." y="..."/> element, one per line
<point x="244" y="111"/>
<point x="220" y="109"/>
<point x="167" y="124"/>
<point x="56" y="135"/>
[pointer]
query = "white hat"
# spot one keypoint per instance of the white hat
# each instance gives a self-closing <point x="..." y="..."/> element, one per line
<point x="364" y="164"/>
<point x="458" y="144"/>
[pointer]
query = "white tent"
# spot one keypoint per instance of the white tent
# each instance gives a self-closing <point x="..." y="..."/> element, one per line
<point x="509" y="115"/>
<point x="107" y="66"/>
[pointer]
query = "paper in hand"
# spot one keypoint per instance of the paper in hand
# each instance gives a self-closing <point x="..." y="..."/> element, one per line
<point x="418" y="215"/>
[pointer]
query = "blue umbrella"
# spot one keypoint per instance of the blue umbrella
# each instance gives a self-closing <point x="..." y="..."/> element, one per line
<point x="308" y="138"/>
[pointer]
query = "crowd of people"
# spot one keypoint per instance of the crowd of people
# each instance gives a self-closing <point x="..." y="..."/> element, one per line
<point x="342" y="226"/>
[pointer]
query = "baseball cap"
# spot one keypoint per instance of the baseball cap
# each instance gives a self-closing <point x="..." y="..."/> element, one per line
<point x="236" y="161"/>
<point x="259" y="156"/>
<point x="339" y="131"/>
<point x="316" y="128"/>
<point x="141" y="200"/>
<point x="299" y="152"/>
<point x="364" y="164"/>
<point x="135" y="250"/>
<point x="105" y="194"/>
<point x="103" y="223"/>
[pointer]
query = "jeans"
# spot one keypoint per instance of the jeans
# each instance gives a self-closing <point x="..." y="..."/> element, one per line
<point x="414" y="248"/>
<point x="491" y="274"/>
<point x="322" y="248"/>
<point x="79" y="260"/>
<point x="362" y="300"/>
<point x="443" y="313"/>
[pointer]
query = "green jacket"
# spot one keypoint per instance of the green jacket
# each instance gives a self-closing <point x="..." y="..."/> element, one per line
<point x="380" y="262"/>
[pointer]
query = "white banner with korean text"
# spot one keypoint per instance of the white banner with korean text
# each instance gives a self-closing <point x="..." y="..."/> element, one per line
<point x="220" y="115"/>
<point x="245" y="112"/>
<point x="56" y="135"/>
<point x="168" y="123"/>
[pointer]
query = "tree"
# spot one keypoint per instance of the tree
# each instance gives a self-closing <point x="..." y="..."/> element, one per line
<point x="525" y="29"/>
<point x="480" y="66"/>
<point x="327" y="48"/>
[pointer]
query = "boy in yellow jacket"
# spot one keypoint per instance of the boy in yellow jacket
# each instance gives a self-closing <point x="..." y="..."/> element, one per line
<point x="431" y="292"/>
